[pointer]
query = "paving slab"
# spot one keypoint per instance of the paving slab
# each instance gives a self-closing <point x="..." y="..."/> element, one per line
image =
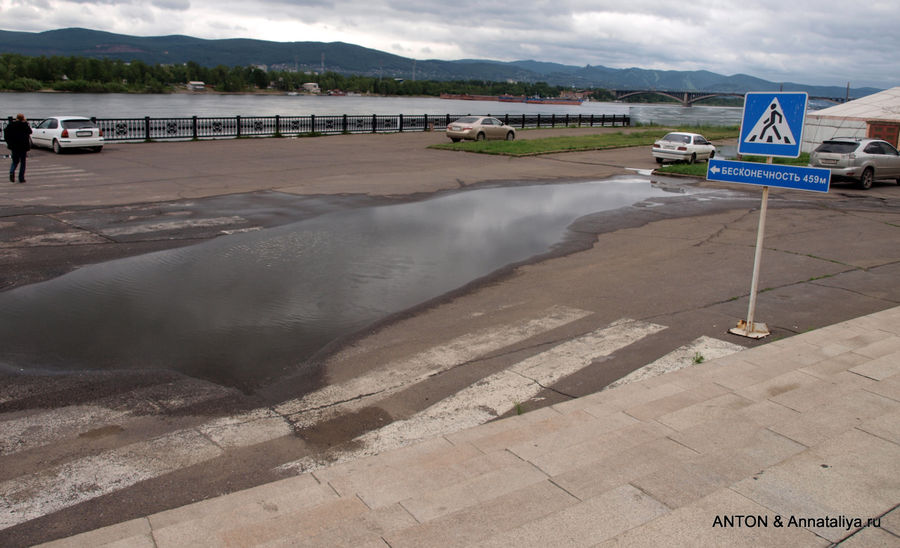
<point x="499" y="435"/>
<point x="136" y="532"/>
<point x="891" y="521"/>
<point x="880" y="368"/>
<point x="855" y="475"/>
<point x="486" y="519"/>
<point x="822" y="392"/>
<point x="585" y="449"/>
<point x="431" y="504"/>
<point x="696" y="525"/>
<point x="615" y="470"/>
<point x="831" y="419"/>
<point x="416" y="488"/>
<point x="585" y="524"/>
<point x="720" y="408"/>
<point x="871" y="537"/>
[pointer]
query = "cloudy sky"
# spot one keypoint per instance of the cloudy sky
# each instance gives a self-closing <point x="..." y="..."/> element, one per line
<point x="826" y="42"/>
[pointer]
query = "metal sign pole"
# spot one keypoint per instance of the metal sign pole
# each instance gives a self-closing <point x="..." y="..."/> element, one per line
<point x="749" y="328"/>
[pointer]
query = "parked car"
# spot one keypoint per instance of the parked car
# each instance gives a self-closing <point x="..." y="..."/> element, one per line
<point x="860" y="160"/>
<point x="59" y="132"/>
<point x="683" y="147"/>
<point x="479" y="128"/>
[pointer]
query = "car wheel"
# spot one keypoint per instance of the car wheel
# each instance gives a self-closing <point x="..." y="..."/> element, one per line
<point x="96" y="149"/>
<point x="711" y="155"/>
<point x="56" y="148"/>
<point x="659" y="161"/>
<point x="692" y="159"/>
<point x="868" y="177"/>
<point x="455" y="139"/>
<point x="479" y="137"/>
<point x="510" y="136"/>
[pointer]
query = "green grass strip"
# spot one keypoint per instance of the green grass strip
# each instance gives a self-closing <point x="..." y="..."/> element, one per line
<point x="549" y="145"/>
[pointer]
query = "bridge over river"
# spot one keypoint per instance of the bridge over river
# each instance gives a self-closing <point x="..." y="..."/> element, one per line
<point x="688" y="98"/>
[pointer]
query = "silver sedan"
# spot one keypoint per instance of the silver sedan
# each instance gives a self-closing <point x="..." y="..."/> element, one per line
<point x="479" y="128"/>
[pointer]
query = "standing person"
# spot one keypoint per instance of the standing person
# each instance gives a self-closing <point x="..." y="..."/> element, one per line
<point x="18" y="140"/>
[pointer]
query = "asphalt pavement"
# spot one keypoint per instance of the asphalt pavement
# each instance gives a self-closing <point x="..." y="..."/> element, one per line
<point x="653" y="284"/>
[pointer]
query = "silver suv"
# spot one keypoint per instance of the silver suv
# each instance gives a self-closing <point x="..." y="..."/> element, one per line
<point x="861" y="160"/>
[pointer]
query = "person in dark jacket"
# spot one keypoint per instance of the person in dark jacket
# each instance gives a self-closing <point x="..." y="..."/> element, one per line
<point x="18" y="140"/>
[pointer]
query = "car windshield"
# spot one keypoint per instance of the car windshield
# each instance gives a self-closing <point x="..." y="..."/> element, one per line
<point x="837" y="147"/>
<point x="677" y="138"/>
<point x="469" y="120"/>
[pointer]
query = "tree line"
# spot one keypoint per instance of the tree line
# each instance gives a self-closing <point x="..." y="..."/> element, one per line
<point x="90" y="75"/>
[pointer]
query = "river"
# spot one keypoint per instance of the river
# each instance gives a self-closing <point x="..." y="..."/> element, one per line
<point x="42" y="105"/>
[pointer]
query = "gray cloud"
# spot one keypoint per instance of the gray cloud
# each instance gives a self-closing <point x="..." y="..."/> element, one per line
<point x="810" y="41"/>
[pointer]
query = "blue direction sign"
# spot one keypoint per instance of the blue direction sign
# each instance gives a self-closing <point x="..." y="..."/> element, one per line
<point x="815" y="179"/>
<point x="772" y="124"/>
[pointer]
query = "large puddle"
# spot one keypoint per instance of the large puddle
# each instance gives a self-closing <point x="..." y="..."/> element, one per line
<point x="250" y="307"/>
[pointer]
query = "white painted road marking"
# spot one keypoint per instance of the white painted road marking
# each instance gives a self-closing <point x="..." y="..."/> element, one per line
<point x="498" y="393"/>
<point x="704" y="347"/>
<point x="26" y="430"/>
<point x="435" y="360"/>
<point x="77" y="481"/>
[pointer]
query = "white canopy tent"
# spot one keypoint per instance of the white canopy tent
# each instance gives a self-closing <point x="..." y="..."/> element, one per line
<point x="876" y="115"/>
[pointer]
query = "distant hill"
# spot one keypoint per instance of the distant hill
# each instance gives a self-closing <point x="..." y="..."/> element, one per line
<point x="351" y="59"/>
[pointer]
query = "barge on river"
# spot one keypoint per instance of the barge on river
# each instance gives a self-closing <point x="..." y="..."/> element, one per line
<point x="513" y="99"/>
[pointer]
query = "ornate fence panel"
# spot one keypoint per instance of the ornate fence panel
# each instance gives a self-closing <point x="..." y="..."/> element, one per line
<point x="123" y="129"/>
<point x="257" y="126"/>
<point x="295" y="125"/>
<point x="211" y="128"/>
<point x="171" y="128"/>
<point x="230" y="127"/>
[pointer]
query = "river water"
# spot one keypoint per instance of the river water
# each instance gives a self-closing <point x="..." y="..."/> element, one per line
<point x="41" y="105"/>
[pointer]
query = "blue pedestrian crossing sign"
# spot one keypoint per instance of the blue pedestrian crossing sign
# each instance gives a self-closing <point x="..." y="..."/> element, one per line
<point x="773" y="123"/>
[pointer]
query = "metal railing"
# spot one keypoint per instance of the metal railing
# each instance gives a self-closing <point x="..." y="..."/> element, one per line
<point x="230" y="127"/>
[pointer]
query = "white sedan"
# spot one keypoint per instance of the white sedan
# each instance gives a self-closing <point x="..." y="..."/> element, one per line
<point x="59" y="132"/>
<point x="683" y="147"/>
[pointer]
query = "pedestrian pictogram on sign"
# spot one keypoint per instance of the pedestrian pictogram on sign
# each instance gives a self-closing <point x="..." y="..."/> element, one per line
<point x="772" y="127"/>
<point x="773" y="123"/>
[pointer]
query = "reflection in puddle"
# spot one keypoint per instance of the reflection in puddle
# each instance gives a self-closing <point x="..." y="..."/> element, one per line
<point x="245" y="308"/>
